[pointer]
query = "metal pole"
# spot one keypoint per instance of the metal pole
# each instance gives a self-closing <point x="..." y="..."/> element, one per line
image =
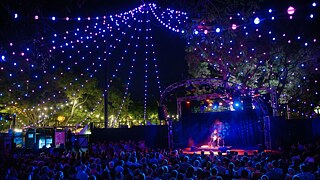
<point x="274" y="102"/>
<point x="179" y="108"/>
<point x="13" y="133"/>
<point x="105" y="95"/>
<point x="14" y="121"/>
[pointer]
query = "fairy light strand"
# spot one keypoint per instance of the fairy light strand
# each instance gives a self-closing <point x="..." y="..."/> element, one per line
<point x="153" y="53"/>
<point x="134" y="57"/>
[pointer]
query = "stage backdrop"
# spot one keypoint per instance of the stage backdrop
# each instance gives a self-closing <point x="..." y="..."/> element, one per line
<point x="236" y="128"/>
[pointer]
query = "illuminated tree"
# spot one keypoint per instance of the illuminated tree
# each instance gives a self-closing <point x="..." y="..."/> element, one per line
<point x="118" y="107"/>
<point x="227" y="40"/>
<point x="80" y="95"/>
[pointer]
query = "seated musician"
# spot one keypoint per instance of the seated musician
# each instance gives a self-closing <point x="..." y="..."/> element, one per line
<point x="214" y="138"/>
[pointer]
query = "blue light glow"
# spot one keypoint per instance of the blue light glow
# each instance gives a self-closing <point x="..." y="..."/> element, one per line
<point x="256" y="20"/>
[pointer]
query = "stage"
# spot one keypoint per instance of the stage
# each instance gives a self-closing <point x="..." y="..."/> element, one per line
<point x="207" y="149"/>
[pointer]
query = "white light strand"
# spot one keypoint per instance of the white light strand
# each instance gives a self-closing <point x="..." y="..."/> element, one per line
<point x="170" y="14"/>
<point x="146" y="76"/>
<point x="153" y="53"/>
<point x="134" y="56"/>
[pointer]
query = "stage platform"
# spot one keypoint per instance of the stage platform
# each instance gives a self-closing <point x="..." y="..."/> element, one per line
<point x="207" y="149"/>
<point x="214" y="148"/>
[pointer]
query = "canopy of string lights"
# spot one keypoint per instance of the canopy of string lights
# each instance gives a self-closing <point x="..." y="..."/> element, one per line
<point x="66" y="71"/>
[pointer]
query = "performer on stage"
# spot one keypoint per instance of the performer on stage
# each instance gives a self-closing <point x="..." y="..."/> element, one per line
<point x="214" y="140"/>
<point x="218" y="134"/>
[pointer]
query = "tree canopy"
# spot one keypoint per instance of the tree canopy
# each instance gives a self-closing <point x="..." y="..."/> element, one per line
<point x="224" y="42"/>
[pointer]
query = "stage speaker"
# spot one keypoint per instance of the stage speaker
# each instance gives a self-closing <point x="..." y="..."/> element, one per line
<point x="162" y="112"/>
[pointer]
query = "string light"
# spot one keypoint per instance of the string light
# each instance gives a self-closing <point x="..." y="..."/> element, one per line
<point x="154" y="55"/>
<point x="291" y="10"/>
<point x="232" y="49"/>
<point x="86" y="41"/>
<point x="169" y="17"/>
<point x="134" y="57"/>
<point x="256" y="20"/>
<point x="234" y="27"/>
<point x="146" y="78"/>
<point x="40" y="86"/>
<point x="86" y="29"/>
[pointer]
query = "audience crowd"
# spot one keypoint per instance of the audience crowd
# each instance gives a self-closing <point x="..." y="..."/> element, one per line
<point x="129" y="160"/>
